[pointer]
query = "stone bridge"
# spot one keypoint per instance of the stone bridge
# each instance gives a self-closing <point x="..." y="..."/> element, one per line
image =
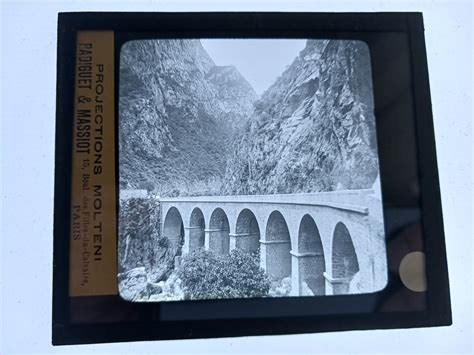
<point x="329" y="243"/>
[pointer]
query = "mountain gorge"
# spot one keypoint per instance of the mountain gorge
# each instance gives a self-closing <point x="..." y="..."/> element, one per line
<point x="313" y="129"/>
<point x="178" y="112"/>
<point x="190" y="127"/>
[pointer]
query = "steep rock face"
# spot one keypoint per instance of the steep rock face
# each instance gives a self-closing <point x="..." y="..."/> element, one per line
<point x="314" y="128"/>
<point x="177" y="114"/>
<point x="232" y="93"/>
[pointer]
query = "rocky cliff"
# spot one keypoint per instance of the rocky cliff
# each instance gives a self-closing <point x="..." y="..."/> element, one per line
<point x="313" y="129"/>
<point x="178" y="112"/>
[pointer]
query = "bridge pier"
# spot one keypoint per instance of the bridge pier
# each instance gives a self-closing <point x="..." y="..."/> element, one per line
<point x="193" y="239"/>
<point x="337" y="285"/>
<point x="275" y="258"/>
<point x="244" y="241"/>
<point x="308" y="268"/>
<point x="217" y="240"/>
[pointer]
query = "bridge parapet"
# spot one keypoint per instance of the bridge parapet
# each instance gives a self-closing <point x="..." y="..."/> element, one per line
<point x="352" y="200"/>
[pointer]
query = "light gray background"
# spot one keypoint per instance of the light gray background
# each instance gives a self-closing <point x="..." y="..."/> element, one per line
<point x="27" y="101"/>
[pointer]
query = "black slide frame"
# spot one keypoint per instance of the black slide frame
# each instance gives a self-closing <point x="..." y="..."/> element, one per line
<point x="406" y="152"/>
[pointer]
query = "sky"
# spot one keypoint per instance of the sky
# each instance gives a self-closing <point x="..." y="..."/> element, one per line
<point x="260" y="61"/>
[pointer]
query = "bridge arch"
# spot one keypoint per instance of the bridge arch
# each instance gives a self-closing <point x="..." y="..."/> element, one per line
<point x="218" y="239"/>
<point x="345" y="264"/>
<point x="195" y="230"/>
<point x="173" y="229"/>
<point x="276" y="247"/>
<point x="310" y="256"/>
<point x="247" y="232"/>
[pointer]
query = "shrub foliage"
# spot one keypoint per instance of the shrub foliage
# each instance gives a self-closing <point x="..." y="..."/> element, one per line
<point x="140" y="243"/>
<point x="237" y="275"/>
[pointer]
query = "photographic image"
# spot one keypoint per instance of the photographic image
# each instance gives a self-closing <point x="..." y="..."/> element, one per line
<point x="247" y="168"/>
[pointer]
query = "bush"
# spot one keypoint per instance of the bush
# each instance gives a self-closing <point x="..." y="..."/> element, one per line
<point x="139" y="241"/>
<point x="205" y="275"/>
<point x="138" y="232"/>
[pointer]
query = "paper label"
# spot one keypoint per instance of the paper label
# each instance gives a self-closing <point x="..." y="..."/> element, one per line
<point x="93" y="256"/>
